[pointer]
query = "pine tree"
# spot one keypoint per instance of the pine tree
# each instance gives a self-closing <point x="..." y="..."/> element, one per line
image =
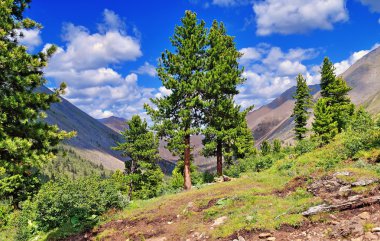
<point x="178" y="115"/>
<point x="26" y="142"/>
<point x="302" y="104"/>
<point x="141" y="146"/>
<point x="265" y="148"/>
<point x="223" y="75"/>
<point x="327" y="76"/>
<point x="324" y="125"/>
<point x="276" y="146"/>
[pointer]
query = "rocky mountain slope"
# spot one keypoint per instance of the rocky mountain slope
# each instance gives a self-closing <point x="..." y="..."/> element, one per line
<point x="273" y="120"/>
<point x="93" y="139"/>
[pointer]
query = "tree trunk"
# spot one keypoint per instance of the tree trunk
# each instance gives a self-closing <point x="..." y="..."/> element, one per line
<point x="131" y="181"/>
<point x="186" y="174"/>
<point x="219" y="158"/>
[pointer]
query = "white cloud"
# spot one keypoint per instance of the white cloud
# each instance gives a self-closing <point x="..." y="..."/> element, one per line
<point x="86" y="64"/>
<point x="342" y="66"/>
<point x="31" y="38"/>
<point x="298" y="16"/>
<point x="273" y="73"/>
<point x="249" y="54"/>
<point x="163" y="92"/>
<point x="148" y="69"/>
<point x="374" y="5"/>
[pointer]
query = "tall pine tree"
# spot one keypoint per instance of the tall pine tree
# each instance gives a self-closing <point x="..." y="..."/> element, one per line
<point x="223" y="75"/>
<point x="141" y="146"/>
<point x="179" y="115"/>
<point x="302" y="104"/>
<point x="26" y="142"/>
<point x="324" y="125"/>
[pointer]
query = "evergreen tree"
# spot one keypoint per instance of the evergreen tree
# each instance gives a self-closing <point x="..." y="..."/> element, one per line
<point x="179" y="115"/>
<point x="141" y="146"/>
<point x="223" y="75"/>
<point x="324" y="125"/>
<point x="265" y="148"/>
<point x="26" y="142"/>
<point x="302" y="104"/>
<point x="276" y="146"/>
<point x="327" y="76"/>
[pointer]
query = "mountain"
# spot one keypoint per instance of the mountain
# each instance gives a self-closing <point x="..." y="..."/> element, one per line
<point x="93" y="139"/>
<point x="273" y="120"/>
<point x="117" y="124"/>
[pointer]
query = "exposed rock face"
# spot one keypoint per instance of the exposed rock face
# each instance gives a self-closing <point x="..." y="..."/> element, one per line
<point x="273" y="120"/>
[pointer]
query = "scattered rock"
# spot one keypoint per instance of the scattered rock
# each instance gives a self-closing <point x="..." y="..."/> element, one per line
<point x="376" y="230"/>
<point x="265" y="235"/>
<point x="240" y="238"/>
<point x="344" y="173"/>
<point x="365" y="215"/>
<point x="271" y="239"/>
<point x="219" y="221"/>
<point x="363" y="182"/>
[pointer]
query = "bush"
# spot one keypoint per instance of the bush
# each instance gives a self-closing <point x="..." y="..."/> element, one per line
<point x="76" y="202"/>
<point x="5" y="211"/>
<point x="305" y="146"/>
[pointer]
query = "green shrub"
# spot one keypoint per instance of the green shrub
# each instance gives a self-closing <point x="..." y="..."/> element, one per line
<point x="76" y="202"/>
<point x="5" y="211"/>
<point x="305" y="146"/>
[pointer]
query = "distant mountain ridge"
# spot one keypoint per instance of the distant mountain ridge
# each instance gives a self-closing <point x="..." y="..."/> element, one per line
<point x="274" y="119"/>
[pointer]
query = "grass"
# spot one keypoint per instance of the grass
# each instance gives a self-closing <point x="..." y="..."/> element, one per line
<point x="249" y="202"/>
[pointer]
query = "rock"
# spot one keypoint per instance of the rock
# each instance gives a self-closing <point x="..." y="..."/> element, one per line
<point x="344" y="173"/>
<point x="170" y="222"/>
<point x="370" y="236"/>
<point x="376" y="230"/>
<point x="265" y="235"/>
<point x="219" y="221"/>
<point x="240" y="238"/>
<point x="345" y="191"/>
<point x="271" y="239"/>
<point x="363" y="182"/>
<point x="226" y="178"/>
<point x="315" y="210"/>
<point x="364" y="215"/>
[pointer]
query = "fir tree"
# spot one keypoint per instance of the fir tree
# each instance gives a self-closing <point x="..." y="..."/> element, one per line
<point x="265" y="148"/>
<point x="223" y="75"/>
<point x="327" y="76"/>
<point x="302" y="104"/>
<point x="324" y="125"/>
<point x="141" y="146"/>
<point x="179" y="115"/>
<point x="26" y="142"/>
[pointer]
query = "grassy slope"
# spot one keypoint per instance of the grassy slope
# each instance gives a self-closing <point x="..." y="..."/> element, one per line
<point x="262" y="201"/>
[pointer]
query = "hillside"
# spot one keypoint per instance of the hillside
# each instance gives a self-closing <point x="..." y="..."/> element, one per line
<point x="276" y="204"/>
<point x="273" y="120"/>
<point x="93" y="140"/>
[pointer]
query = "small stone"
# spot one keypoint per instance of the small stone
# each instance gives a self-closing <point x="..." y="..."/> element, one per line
<point x="271" y="239"/>
<point x="219" y="221"/>
<point x="365" y="215"/>
<point x="170" y="222"/>
<point x="240" y="238"/>
<point x="344" y="173"/>
<point x="265" y="235"/>
<point x="363" y="182"/>
<point x="375" y="230"/>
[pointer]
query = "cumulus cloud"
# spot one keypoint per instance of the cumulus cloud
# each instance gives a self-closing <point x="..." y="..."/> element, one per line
<point x="343" y="65"/>
<point x="374" y="5"/>
<point x="273" y="73"/>
<point x="148" y="69"/>
<point x="87" y="64"/>
<point x="31" y="38"/>
<point x="298" y="16"/>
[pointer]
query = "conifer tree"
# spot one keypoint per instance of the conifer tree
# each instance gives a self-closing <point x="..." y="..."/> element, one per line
<point x="178" y="115"/>
<point x="265" y="148"/>
<point x="223" y="75"/>
<point x="327" y="76"/>
<point x="324" y="125"/>
<point x="276" y="146"/>
<point x="26" y="142"/>
<point x="302" y="104"/>
<point x="141" y="146"/>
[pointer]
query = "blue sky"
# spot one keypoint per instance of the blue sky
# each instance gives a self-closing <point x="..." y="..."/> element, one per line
<point x="108" y="50"/>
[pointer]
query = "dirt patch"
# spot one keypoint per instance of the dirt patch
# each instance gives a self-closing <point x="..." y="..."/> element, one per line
<point x="291" y="186"/>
